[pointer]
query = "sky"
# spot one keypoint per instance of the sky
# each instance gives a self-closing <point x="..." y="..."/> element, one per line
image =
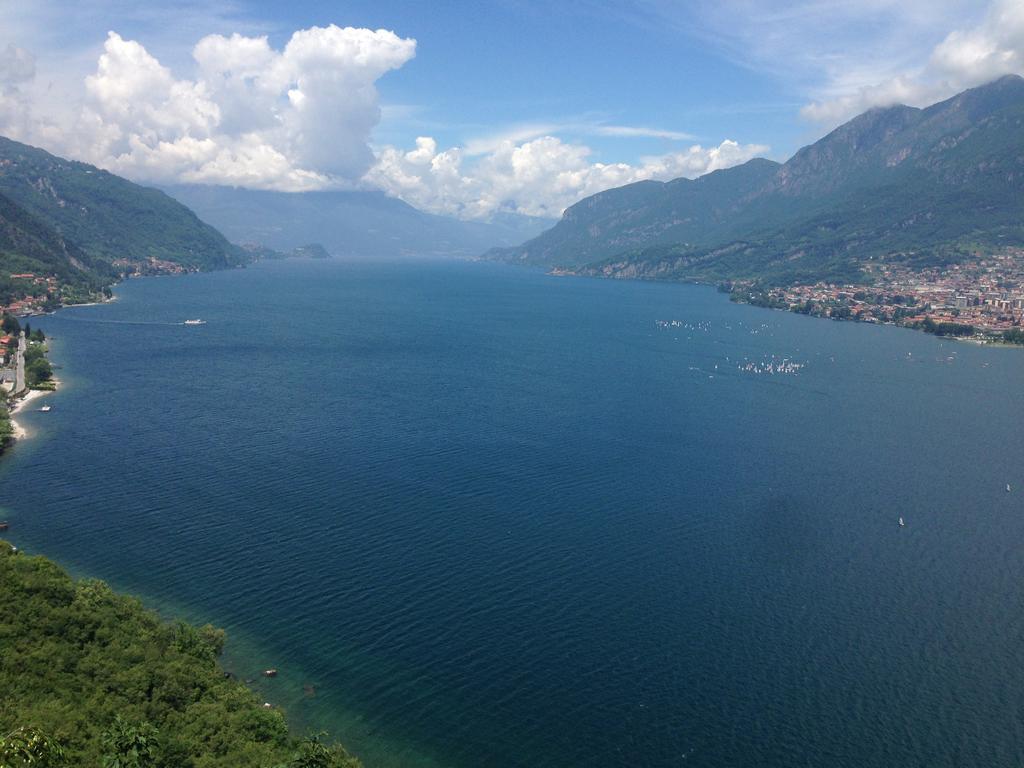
<point x="473" y="109"/>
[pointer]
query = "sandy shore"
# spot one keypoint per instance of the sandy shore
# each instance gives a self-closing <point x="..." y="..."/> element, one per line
<point x="111" y="300"/>
<point x="33" y="394"/>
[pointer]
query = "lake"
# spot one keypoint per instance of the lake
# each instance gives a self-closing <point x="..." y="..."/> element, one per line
<point x="477" y="515"/>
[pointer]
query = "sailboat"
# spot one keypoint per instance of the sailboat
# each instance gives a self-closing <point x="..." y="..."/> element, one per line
<point x="901" y="522"/>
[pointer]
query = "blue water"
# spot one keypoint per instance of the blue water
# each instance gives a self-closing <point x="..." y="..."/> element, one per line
<point x="497" y="518"/>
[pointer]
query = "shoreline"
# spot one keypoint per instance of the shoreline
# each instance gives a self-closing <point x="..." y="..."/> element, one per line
<point x="20" y="433"/>
<point x="981" y="338"/>
<point x="111" y="300"/>
<point x="244" y="661"/>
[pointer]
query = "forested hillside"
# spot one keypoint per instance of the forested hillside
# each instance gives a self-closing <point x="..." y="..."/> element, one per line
<point x="106" y="216"/>
<point x="89" y="678"/>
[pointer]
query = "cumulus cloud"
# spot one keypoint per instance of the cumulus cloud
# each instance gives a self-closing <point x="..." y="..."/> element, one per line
<point x="292" y="119"/>
<point x="301" y="117"/>
<point x="540" y="177"/>
<point x="965" y="58"/>
<point x="994" y="48"/>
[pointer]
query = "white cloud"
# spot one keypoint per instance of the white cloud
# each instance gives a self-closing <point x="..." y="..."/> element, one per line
<point x="993" y="48"/>
<point x="301" y="117"/>
<point x="898" y="90"/>
<point x="966" y="57"/>
<point x="540" y="177"/>
<point x="846" y="56"/>
<point x="484" y="145"/>
<point x="298" y="118"/>
<point x="813" y="44"/>
<point x="631" y="131"/>
<point x="517" y="134"/>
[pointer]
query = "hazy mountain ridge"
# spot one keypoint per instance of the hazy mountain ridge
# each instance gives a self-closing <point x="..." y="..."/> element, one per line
<point x="87" y="227"/>
<point x="349" y="223"/>
<point x="898" y="182"/>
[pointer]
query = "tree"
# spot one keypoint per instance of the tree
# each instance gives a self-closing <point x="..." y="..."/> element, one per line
<point x="10" y="324"/>
<point x="313" y="753"/>
<point x="38" y="371"/>
<point x="204" y="643"/>
<point x="1014" y="336"/>
<point x="127" y="745"/>
<point x="74" y="656"/>
<point x="25" y="747"/>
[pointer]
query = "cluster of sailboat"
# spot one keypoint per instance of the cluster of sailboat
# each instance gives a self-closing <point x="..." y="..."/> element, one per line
<point x="702" y="325"/>
<point x="784" y="366"/>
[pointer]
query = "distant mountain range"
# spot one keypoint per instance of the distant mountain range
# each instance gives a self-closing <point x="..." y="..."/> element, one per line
<point x="88" y="227"/>
<point x="918" y="186"/>
<point x="348" y="223"/>
<point x="921" y="186"/>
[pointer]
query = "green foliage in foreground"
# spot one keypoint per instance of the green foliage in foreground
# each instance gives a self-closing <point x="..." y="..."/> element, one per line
<point x="91" y="678"/>
<point x="30" y="746"/>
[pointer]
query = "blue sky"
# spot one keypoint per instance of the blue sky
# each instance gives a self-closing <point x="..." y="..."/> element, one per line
<point x="473" y="108"/>
<point x="557" y="65"/>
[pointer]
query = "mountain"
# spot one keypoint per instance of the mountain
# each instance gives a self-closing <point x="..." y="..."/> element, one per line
<point x="644" y="213"/>
<point x="353" y="223"/>
<point x="107" y="217"/>
<point x="919" y="185"/>
<point x="30" y="245"/>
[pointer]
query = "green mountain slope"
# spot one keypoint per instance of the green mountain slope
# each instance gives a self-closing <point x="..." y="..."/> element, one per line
<point x="29" y="245"/>
<point x="107" y="217"/>
<point x="644" y="213"/>
<point x="920" y="185"/>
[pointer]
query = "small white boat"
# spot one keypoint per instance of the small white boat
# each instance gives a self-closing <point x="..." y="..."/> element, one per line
<point x="45" y="409"/>
<point x="1007" y="487"/>
<point x="197" y="321"/>
<point x="901" y="522"/>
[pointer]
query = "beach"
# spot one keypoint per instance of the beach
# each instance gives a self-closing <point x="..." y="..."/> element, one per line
<point x="33" y="394"/>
